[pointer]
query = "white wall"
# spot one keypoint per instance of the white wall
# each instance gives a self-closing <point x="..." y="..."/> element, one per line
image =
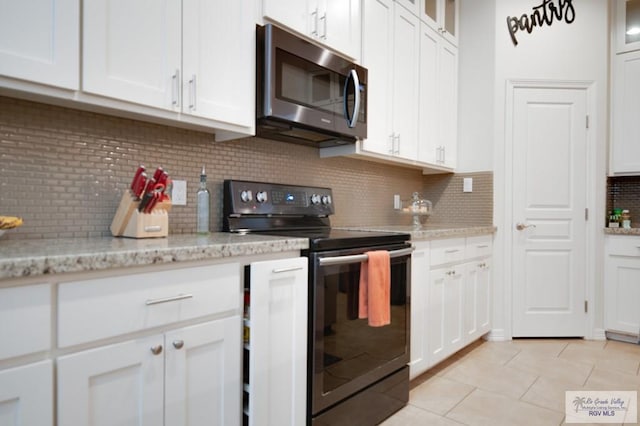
<point x="476" y="71"/>
<point x="569" y="52"/>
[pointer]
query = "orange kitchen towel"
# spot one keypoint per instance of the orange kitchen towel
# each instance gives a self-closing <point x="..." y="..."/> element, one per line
<point x="375" y="289"/>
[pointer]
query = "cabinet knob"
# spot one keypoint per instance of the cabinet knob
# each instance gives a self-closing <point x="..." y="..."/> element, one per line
<point x="156" y="350"/>
<point x="178" y="344"/>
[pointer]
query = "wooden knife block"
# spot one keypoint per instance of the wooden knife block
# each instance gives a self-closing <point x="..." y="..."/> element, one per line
<point x="129" y="222"/>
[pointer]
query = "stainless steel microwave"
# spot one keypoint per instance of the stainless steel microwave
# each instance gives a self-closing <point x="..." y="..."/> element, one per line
<point x="307" y="93"/>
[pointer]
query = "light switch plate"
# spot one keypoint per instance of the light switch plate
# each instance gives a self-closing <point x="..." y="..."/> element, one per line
<point x="467" y="184"/>
<point x="179" y="193"/>
<point x="396" y="202"/>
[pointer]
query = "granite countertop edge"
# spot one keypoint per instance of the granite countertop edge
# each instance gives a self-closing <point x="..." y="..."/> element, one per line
<point x="431" y="232"/>
<point x="29" y="258"/>
<point x="622" y="231"/>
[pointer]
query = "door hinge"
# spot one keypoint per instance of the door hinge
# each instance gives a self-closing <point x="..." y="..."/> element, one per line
<point x="586" y="306"/>
<point x="586" y="214"/>
<point x="587" y="121"/>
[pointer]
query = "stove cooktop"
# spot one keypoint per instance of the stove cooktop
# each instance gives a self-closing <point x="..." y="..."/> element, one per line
<point x="337" y="239"/>
<point x="294" y="210"/>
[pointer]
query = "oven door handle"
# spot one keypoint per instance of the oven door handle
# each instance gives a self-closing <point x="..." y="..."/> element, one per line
<point x="343" y="260"/>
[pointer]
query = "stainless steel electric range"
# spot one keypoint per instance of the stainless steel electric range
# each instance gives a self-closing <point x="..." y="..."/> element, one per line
<point x="357" y="374"/>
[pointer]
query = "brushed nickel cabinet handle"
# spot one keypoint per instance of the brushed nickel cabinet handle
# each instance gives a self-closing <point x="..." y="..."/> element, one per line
<point x="156" y="350"/>
<point x="178" y="344"/>
<point x="168" y="299"/>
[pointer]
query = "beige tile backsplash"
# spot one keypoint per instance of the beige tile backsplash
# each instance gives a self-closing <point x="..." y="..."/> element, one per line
<point x="64" y="171"/>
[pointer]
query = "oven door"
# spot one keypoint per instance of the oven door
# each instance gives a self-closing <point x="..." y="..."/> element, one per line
<point x="346" y="354"/>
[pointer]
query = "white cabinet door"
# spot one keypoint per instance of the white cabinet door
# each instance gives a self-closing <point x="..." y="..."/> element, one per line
<point x="405" y="81"/>
<point x="442" y="16"/>
<point x="625" y="144"/>
<point x="477" y="298"/>
<point x="343" y="26"/>
<point x="115" y="385"/>
<point x="377" y="55"/>
<point x="438" y="99"/>
<point x="26" y="395"/>
<point x="131" y="50"/>
<point x="419" y="309"/>
<point x="448" y="102"/>
<point x="290" y="13"/>
<point x="412" y="6"/>
<point x="391" y="53"/>
<point x="40" y="41"/>
<point x="278" y="346"/>
<point x="218" y="54"/>
<point x="627" y="25"/>
<point x="203" y="374"/>
<point x="622" y="284"/>
<point x="445" y="312"/>
<point x="334" y="23"/>
<point x="25" y="320"/>
<point x="429" y="150"/>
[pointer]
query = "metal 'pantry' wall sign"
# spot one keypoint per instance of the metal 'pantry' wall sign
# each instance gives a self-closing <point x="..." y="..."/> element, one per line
<point x="542" y="14"/>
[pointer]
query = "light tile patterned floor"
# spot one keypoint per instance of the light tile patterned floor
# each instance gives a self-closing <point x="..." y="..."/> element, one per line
<point x="520" y="382"/>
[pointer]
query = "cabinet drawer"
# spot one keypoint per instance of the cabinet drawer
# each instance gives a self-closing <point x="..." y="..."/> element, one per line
<point x="479" y="246"/>
<point x="447" y="251"/>
<point x="623" y="245"/>
<point x="105" y="307"/>
<point x="25" y="320"/>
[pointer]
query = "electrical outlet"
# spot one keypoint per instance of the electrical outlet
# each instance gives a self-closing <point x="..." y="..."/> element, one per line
<point x="467" y="185"/>
<point x="179" y="193"/>
<point x="396" y="202"/>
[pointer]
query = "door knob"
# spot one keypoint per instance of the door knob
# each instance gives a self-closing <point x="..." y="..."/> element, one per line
<point x="522" y="226"/>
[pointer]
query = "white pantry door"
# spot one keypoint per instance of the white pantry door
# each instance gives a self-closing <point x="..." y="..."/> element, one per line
<point x="549" y="211"/>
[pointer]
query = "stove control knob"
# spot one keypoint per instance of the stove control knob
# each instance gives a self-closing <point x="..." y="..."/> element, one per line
<point x="261" y="196"/>
<point x="326" y="199"/>
<point x="315" y="199"/>
<point x="246" y="196"/>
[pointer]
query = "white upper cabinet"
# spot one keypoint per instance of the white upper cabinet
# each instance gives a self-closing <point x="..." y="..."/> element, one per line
<point x="625" y="129"/>
<point x="442" y="16"/>
<point x="627" y="25"/>
<point x="391" y="53"/>
<point x="39" y="41"/>
<point x="412" y="6"/>
<point x="173" y="55"/>
<point x="438" y="99"/>
<point x="334" y="23"/>
<point x="132" y="49"/>
<point x="218" y="60"/>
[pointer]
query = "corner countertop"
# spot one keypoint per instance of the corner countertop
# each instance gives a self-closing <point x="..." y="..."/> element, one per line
<point x="431" y="232"/>
<point x="622" y="231"/>
<point x="25" y="258"/>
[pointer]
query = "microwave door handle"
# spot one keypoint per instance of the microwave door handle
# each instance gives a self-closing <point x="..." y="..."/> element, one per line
<point x="352" y="118"/>
<point x="344" y="260"/>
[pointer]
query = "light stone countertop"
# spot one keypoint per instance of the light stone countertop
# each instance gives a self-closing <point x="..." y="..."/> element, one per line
<point x="28" y="258"/>
<point x="431" y="232"/>
<point x="622" y="231"/>
<point x="25" y="258"/>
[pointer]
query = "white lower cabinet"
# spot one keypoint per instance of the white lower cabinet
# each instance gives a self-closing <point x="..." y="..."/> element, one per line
<point x="450" y="298"/>
<point x="26" y="391"/>
<point x="26" y="395"/>
<point x="189" y="376"/>
<point x="622" y="284"/>
<point x="445" y="313"/>
<point x="276" y="353"/>
<point x="477" y="299"/>
<point x="419" y="308"/>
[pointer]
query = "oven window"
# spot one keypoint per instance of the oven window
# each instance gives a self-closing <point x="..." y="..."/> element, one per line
<point x="351" y="347"/>
<point x="305" y="83"/>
